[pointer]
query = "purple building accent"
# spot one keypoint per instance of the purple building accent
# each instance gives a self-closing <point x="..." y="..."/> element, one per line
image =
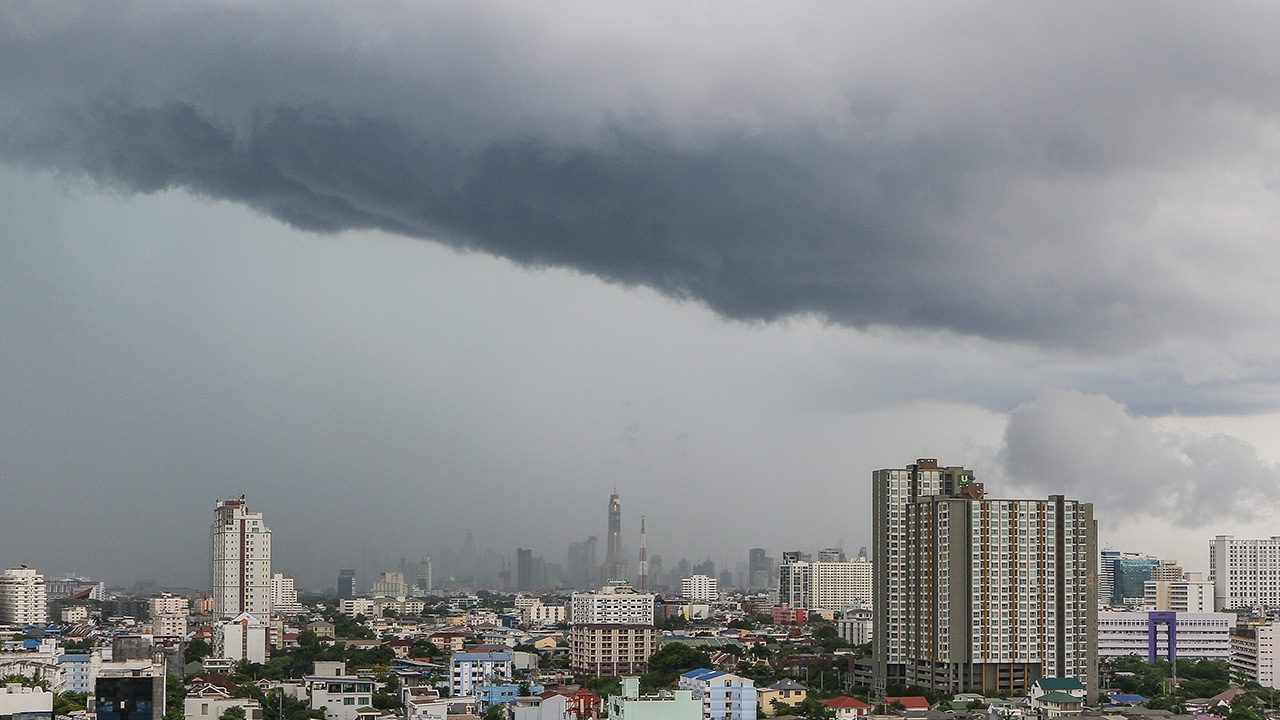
<point x="1154" y="620"/>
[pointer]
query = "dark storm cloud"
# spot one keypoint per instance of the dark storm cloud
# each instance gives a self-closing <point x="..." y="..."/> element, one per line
<point x="1006" y="174"/>
<point x="1091" y="447"/>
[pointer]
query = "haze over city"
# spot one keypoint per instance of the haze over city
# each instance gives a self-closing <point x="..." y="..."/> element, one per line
<point x="398" y="272"/>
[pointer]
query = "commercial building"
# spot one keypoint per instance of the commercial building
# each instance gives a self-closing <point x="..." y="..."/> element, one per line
<point x="699" y="588"/>
<point x="723" y="696"/>
<point x="615" y="565"/>
<point x="1129" y="576"/>
<point x="979" y="594"/>
<point x="23" y="597"/>
<point x="1165" y="635"/>
<point x="1245" y="573"/>
<point x="241" y="559"/>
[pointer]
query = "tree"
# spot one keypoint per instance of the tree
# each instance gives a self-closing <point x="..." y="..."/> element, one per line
<point x="198" y="650"/>
<point x="670" y="661"/>
<point x="235" y="712"/>
<point x="65" y="703"/>
<point x="495" y="712"/>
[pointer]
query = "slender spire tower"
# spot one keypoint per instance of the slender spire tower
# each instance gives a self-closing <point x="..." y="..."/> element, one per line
<point x="643" y="578"/>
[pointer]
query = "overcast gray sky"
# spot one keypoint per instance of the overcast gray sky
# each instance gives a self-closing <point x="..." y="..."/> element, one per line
<point x="396" y="271"/>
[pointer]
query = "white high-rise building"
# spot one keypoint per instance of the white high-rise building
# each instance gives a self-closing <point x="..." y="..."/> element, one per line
<point x="825" y="584"/>
<point x="1245" y="573"/>
<point x="700" y="588"/>
<point x="979" y="594"/>
<point x="1255" y="654"/>
<point x="614" y="605"/>
<point x="241" y="558"/>
<point x="283" y="595"/>
<point x="23" y="597"/>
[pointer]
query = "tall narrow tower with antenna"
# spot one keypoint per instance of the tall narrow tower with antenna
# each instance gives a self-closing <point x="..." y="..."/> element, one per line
<point x="643" y="578"/>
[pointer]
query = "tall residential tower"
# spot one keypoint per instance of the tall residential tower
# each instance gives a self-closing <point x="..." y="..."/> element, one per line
<point x="978" y="594"/>
<point x="241" y="559"/>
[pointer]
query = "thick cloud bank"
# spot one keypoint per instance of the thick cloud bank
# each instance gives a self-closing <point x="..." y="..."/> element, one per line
<point x="1093" y="179"/>
<point x="1090" y="447"/>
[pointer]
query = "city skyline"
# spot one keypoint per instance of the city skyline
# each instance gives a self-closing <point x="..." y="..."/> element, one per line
<point x="395" y="286"/>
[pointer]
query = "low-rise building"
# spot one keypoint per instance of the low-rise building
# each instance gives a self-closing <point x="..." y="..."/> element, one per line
<point x="27" y="703"/>
<point x="724" y="696"/>
<point x="847" y="708"/>
<point x="468" y="670"/>
<point x="629" y="704"/>
<point x="341" y="696"/>
<point x="785" y="691"/>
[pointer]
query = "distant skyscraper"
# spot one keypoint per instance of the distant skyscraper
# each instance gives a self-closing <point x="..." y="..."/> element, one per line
<point x="978" y="594"/>
<point x="615" y="566"/>
<point x="346" y="584"/>
<point x="241" y="560"/>
<point x="758" y="570"/>
<point x="584" y="567"/>
<point x="424" y="577"/>
<point x="642" y="579"/>
<point x="524" y="569"/>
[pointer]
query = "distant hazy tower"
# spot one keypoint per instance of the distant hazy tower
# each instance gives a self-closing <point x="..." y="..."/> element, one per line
<point x="615" y="566"/>
<point x="241" y="559"/>
<point x="613" y="556"/>
<point x="642" y="579"/>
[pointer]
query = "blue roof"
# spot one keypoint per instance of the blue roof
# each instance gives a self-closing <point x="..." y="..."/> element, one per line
<point x="74" y="657"/>
<point x="481" y="656"/>
<point x="702" y="674"/>
<point x="1127" y="698"/>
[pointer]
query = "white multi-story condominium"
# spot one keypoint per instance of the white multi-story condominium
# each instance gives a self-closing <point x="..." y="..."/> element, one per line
<point x="59" y="588"/>
<point x="611" y="649"/>
<point x="724" y="696"/>
<point x="23" y="597"/>
<point x="241" y="638"/>
<point x="855" y="625"/>
<point x="536" y="613"/>
<point x="826" y="584"/>
<point x="1195" y="635"/>
<point x="169" y="625"/>
<point x="629" y="704"/>
<point x="1179" y="595"/>
<point x="1245" y="573"/>
<point x="1255" y="651"/>
<point x="241" y="559"/>
<point x="977" y="594"/>
<point x="700" y="588"/>
<point x="283" y="595"/>
<point x="168" y="604"/>
<point x="795" y="580"/>
<point x="469" y="669"/>
<point x="613" y="604"/>
<point x="838" y="585"/>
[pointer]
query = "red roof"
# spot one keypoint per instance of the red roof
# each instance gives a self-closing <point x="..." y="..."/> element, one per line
<point x="844" y="701"/>
<point x="910" y="702"/>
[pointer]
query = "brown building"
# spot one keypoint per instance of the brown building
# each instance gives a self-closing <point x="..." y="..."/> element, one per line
<point x="610" y="650"/>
